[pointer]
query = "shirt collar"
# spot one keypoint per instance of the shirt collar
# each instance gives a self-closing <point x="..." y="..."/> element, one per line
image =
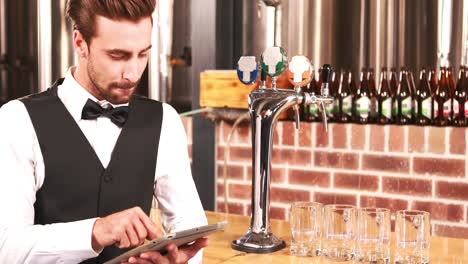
<point x="74" y="96"/>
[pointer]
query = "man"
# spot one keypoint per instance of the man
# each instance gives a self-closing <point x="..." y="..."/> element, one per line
<point x="81" y="162"/>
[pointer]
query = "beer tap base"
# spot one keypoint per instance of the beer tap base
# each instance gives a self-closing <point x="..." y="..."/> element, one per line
<point x="258" y="243"/>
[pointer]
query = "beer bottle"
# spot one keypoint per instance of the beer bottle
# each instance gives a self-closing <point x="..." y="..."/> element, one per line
<point x="373" y="93"/>
<point x="434" y="84"/>
<point x="394" y="91"/>
<point x="329" y="107"/>
<point x="433" y="81"/>
<point x="344" y="99"/>
<point x="423" y="104"/>
<point x="403" y="100"/>
<point x="384" y="99"/>
<point x="442" y="101"/>
<point x="451" y="80"/>
<point x="336" y="102"/>
<point x="312" y="111"/>
<point x="362" y="101"/>
<point x="352" y="85"/>
<point x="459" y="100"/>
<point x="413" y="93"/>
<point x="319" y="91"/>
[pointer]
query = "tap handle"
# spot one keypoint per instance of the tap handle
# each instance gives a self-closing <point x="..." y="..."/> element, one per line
<point x="247" y="69"/>
<point x="326" y="76"/>
<point x="299" y="71"/>
<point x="297" y="119"/>
<point x="273" y="61"/>
<point x="326" y="73"/>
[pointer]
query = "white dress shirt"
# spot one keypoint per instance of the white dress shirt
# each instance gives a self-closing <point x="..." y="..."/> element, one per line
<point x="22" y="175"/>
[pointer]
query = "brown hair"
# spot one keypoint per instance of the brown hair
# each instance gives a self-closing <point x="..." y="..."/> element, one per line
<point x="82" y="13"/>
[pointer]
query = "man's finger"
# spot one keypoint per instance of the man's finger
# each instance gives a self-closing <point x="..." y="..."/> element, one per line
<point x="153" y="256"/>
<point x="141" y="231"/>
<point x="191" y="250"/>
<point x="136" y="260"/>
<point x="132" y="236"/>
<point x="124" y="242"/>
<point x="151" y="227"/>
<point x="172" y="253"/>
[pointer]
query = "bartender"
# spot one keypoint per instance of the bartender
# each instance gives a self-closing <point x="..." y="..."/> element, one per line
<point x="80" y="162"/>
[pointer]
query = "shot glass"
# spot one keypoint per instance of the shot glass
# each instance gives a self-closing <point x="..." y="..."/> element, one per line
<point x="412" y="237"/>
<point x="306" y="228"/>
<point x="373" y="235"/>
<point x="339" y="243"/>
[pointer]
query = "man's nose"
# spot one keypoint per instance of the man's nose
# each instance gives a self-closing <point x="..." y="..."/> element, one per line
<point x="131" y="71"/>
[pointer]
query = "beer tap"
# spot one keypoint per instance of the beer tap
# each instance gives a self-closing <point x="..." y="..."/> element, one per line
<point x="299" y="74"/>
<point x="325" y="97"/>
<point x="265" y="107"/>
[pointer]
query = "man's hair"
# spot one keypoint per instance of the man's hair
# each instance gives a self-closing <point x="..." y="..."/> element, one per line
<point x="82" y="13"/>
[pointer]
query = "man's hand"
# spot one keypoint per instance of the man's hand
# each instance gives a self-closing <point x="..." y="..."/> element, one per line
<point x="174" y="255"/>
<point x="128" y="228"/>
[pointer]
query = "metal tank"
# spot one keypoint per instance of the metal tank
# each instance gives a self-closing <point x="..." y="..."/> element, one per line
<point x="353" y="34"/>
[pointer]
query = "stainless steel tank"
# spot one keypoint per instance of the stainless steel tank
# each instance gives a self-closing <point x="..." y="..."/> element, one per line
<point x="353" y="34"/>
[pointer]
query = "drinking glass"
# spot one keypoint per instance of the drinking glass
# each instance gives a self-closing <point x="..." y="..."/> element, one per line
<point x="412" y="235"/>
<point x="373" y="235"/>
<point x="339" y="233"/>
<point x="306" y="228"/>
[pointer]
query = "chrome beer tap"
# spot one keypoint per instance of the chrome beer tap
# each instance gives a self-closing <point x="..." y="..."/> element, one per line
<point x="265" y="106"/>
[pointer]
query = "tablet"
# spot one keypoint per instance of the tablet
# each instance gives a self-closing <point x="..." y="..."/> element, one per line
<point x="179" y="238"/>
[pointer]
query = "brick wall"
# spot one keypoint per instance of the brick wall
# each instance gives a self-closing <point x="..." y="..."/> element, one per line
<point x="397" y="167"/>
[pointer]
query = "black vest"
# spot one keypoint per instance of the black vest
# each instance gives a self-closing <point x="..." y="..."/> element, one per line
<point x="76" y="185"/>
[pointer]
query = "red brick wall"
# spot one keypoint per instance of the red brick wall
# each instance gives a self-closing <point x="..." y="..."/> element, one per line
<point x="397" y="167"/>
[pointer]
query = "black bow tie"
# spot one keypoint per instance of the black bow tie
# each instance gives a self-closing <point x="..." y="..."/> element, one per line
<point x="117" y="115"/>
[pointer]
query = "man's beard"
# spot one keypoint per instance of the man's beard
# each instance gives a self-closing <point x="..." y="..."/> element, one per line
<point x="106" y="93"/>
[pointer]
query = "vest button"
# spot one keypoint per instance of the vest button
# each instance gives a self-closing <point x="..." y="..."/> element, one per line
<point x="107" y="179"/>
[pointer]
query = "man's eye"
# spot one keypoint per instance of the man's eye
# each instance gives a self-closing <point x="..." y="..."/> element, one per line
<point x="143" y="55"/>
<point x="117" y="57"/>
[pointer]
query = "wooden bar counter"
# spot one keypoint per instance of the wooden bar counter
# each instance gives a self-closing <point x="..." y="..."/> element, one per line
<point x="443" y="250"/>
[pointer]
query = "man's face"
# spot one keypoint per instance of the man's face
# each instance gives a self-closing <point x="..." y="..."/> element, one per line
<point x="118" y="55"/>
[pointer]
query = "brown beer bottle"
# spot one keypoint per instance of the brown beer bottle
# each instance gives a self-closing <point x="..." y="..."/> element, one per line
<point x="385" y="103"/>
<point x="336" y="86"/>
<point x="413" y="93"/>
<point x="403" y="100"/>
<point x="423" y="106"/>
<point x="374" y="108"/>
<point x="362" y="101"/>
<point x="394" y="91"/>
<point x="345" y="102"/>
<point x="433" y="81"/>
<point x="434" y="85"/>
<point x="353" y="87"/>
<point x="329" y="108"/>
<point x="451" y="80"/>
<point x="352" y="84"/>
<point x="442" y="101"/>
<point x="459" y="100"/>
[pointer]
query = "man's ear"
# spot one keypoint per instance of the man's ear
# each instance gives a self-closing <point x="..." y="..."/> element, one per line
<point x="80" y="44"/>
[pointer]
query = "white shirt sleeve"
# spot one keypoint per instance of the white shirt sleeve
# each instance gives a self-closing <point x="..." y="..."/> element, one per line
<point x="175" y="189"/>
<point x="20" y="240"/>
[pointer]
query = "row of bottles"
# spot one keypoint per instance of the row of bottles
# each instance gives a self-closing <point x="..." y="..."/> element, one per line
<point x="396" y="100"/>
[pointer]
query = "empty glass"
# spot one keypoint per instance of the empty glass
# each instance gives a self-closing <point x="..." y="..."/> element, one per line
<point x="412" y="235"/>
<point x="306" y="228"/>
<point x="373" y="235"/>
<point x="339" y="242"/>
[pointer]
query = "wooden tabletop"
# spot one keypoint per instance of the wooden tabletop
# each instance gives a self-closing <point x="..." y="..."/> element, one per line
<point x="443" y="250"/>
